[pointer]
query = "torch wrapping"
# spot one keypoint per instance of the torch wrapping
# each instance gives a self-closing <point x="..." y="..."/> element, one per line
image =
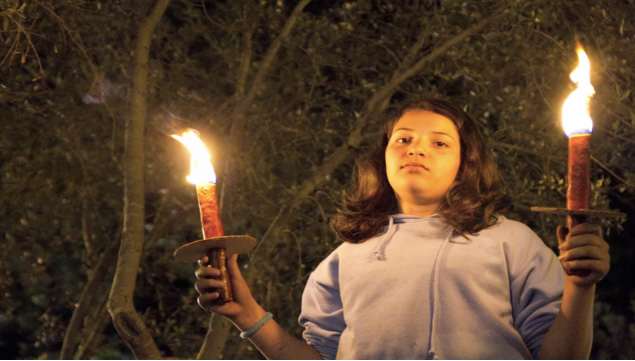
<point x="212" y="227"/>
<point x="578" y="184"/>
<point x="578" y="181"/>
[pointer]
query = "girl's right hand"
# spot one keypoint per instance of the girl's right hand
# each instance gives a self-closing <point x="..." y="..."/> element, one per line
<point x="208" y="285"/>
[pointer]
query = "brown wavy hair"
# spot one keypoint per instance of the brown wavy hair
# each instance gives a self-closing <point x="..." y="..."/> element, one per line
<point x="470" y="205"/>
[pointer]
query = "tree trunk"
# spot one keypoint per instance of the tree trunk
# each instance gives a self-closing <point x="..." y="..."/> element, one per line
<point x="127" y="321"/>
<point x="74" y="334"/>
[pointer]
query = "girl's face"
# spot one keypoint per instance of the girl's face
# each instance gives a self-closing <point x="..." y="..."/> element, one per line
<point x="422" y="160"/>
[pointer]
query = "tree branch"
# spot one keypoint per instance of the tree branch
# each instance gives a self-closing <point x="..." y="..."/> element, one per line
<point x="86" y="227"/>
<point x="160" y="221"/>
<point x="611" y="172"/>
<point x="219" y="327"/>
<point x="521" y="149"/>
<point x="77" y="42"/>
<point x="87" y="300"/>
<point x="92" y="338"/>
<point x="245" y="60"/>
<point x="379" y="100"/>
<point x="238" y="125"/>
<point x="375" y="105"/>
<point x="212" y="347"/>
<point x="126" y="320"/>
<point x="416" y="46"/>
<point x="272" y="52"/>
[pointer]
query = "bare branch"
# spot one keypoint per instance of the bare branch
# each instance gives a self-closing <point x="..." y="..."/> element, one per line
<point x="379" y="100"/>
<point x="160" y="221"/>
<point x="212" y="347"/>
<point x="93" y="335"/>
<point x="127" y="321"/>
<point x="86" y="226"/>
<point x="518" y="148"/>
<point x="611" y="172"/>
<point x="272" y="52"/>
<point x="87" y="299"/>
<point x="375" y="105"/>
<point x="75" y="40"/>
<point x="417" y="45"/>
<point x="245" y="61"/>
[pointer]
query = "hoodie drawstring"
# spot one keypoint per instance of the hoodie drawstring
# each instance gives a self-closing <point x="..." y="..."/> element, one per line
<point x="380" y="248"/>
<point x="435" y="294"/>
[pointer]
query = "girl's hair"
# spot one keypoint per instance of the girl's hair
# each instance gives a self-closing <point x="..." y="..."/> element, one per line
<point x="470" y="205"/>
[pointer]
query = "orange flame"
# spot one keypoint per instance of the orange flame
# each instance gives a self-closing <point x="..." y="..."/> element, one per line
<point x="201" y="172"/>
<point x="575" y="111"/>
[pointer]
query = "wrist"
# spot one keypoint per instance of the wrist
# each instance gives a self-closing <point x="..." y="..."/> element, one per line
<point x="577" y="298"/>
<point x="249" y="317"/>
<point x="571" y="285"/>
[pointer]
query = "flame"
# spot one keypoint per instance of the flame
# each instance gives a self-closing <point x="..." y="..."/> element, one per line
<point x="575" y="111"/>
<point x="202" y="171"/>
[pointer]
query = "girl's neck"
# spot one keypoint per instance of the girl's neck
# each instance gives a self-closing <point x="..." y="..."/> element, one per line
<point x="419" y="210"/>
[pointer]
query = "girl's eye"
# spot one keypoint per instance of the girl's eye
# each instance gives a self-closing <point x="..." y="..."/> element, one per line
<point x="404" y="140"/>
<point x="440" y="144"/>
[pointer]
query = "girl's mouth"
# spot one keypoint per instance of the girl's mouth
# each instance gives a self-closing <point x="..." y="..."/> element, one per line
<point x="414" y="166"/>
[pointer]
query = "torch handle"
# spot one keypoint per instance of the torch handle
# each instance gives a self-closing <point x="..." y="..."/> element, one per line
<point x="572" y="221"/>
<point x="575" y="219"/>
<point x="218" y="259"/>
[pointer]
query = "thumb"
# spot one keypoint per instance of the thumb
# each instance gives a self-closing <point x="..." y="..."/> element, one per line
<point x="234" y="270"/>
<point x="562" y="232"/>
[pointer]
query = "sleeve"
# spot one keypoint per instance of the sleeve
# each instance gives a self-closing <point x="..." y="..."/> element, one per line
<point x="322" y="315"/>
<point x="536" y="291"/>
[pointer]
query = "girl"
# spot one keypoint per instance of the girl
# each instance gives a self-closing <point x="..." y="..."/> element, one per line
<point x="429" y="268"/>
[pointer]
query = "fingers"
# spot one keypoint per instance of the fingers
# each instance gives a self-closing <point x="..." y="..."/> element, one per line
<point x="594" y="266"/>
<point x="207" y="285"/>
<point x="564" y="233"/>
<point x="208" y="300"/>
<point x="586" y="228"/>
<point x="206" y="272"/>
<point x="203" y="262"/>
<point x="588" y="271"/>
<point x="583" y="252"/>
<point x="579" y="237"/>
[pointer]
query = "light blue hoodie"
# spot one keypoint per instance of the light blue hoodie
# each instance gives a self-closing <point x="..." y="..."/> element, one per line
<point x="421" y="291"/>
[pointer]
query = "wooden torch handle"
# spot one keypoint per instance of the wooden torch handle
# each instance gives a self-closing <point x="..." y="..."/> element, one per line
<point x="218" y="259"/>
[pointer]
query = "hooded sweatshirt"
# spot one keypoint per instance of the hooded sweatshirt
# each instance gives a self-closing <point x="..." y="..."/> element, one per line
<point x="421" y="291"/>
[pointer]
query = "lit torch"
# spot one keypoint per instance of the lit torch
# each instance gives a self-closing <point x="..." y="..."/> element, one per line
<point x="578" y="125"/>
<point x="215" y="244"/>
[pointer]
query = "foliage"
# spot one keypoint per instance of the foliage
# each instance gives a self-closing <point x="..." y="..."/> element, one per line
<point x="63" y="87"/>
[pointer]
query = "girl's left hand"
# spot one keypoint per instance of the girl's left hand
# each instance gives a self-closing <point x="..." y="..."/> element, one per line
<point x="584" y="254"/>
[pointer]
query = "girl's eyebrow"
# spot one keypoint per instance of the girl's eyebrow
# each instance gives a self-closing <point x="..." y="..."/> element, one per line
<point x="407" y="129"/>
<point x="446" y="134"/>
<point x="434" y="132"/>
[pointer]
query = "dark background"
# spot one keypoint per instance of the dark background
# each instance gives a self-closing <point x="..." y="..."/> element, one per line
<point x="65" y="72"/>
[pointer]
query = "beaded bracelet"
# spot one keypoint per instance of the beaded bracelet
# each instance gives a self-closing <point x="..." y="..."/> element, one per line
<point x="256" y="327"/>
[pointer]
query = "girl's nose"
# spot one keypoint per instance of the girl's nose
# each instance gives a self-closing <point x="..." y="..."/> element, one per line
<point x="415" y="150"/>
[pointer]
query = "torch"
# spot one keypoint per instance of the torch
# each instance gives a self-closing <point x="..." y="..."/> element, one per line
<point x="215" y="245"/>
<point x="578" y="125"/>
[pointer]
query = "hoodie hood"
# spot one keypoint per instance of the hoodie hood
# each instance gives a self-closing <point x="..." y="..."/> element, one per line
<point x="432" y="224"/>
